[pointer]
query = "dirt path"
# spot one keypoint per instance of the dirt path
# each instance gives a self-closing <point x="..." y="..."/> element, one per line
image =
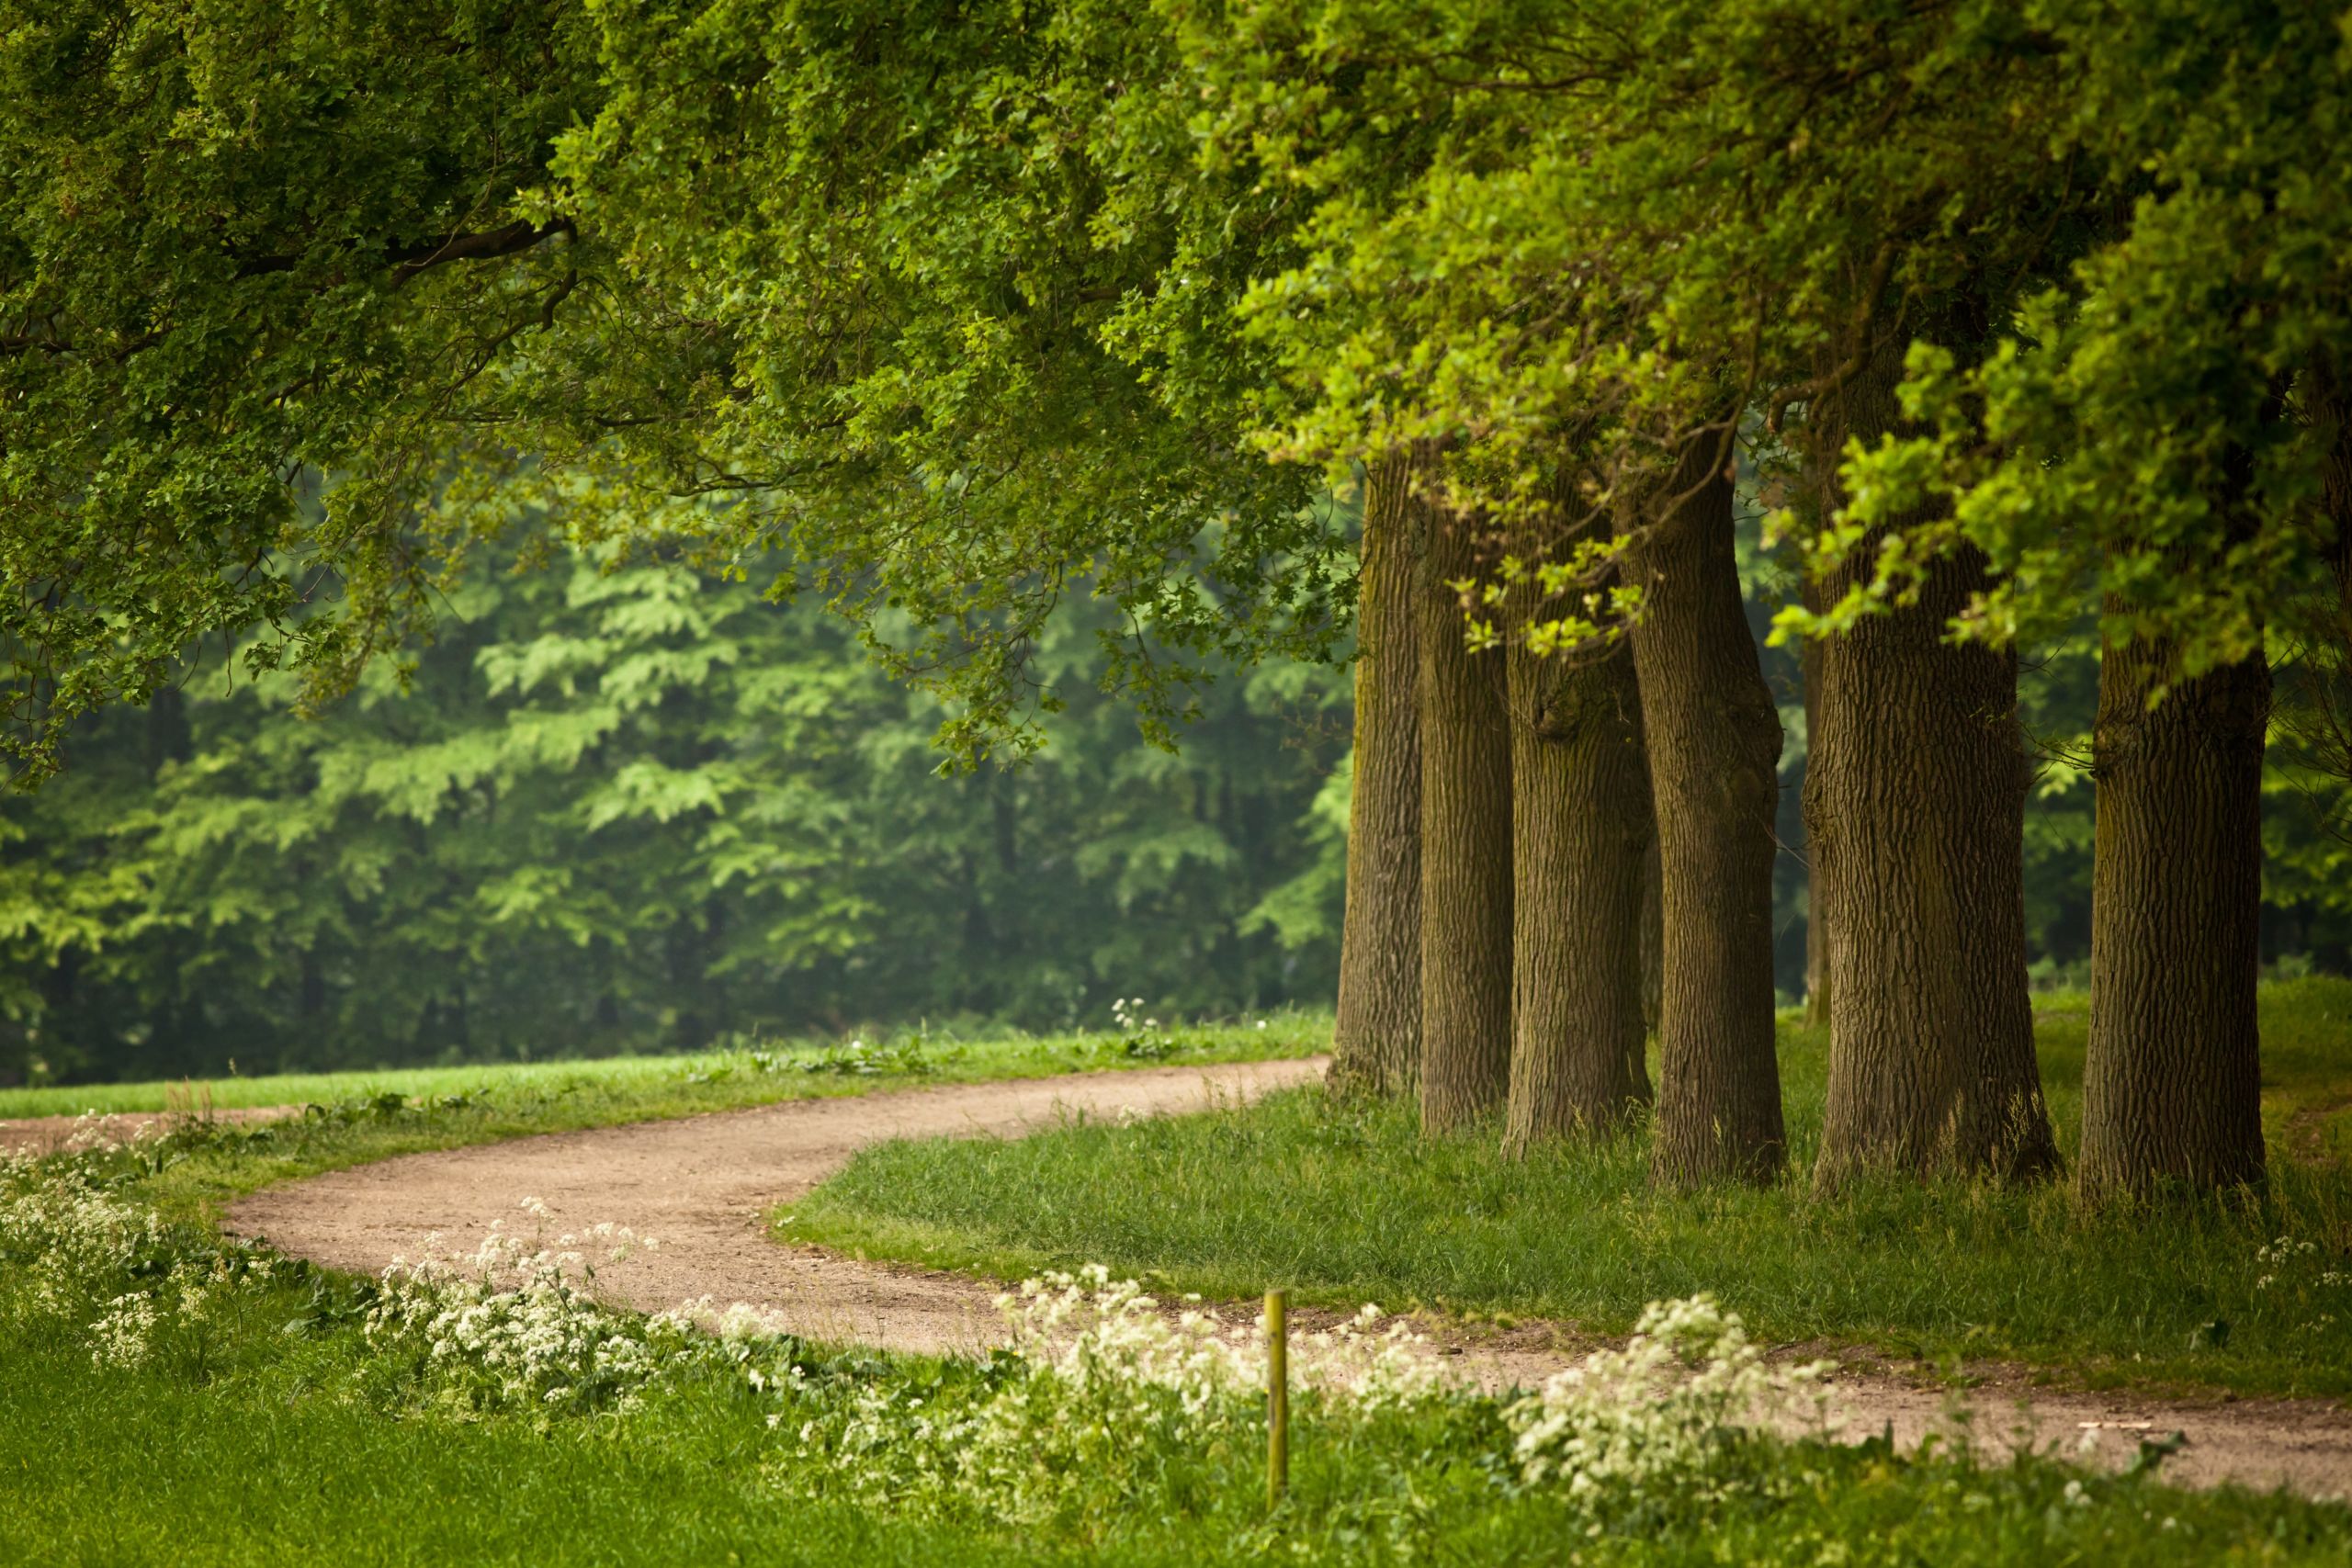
<point x="703" y="1187"/>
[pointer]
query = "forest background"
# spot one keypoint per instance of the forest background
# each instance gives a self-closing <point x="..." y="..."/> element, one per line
<point x="627" y="808"/>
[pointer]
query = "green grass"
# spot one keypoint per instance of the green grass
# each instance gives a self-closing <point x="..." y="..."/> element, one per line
<point x="363" y="1117"/>
<point x="264" y="1448"/>
<point x="664" y="1080"/>
<point x="1346" y="1203"/>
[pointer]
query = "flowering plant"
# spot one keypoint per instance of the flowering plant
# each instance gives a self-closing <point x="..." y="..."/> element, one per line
<point x="70" y="1241"/>
<point x="516" y="1322"/>
<point x="1672" y="1408"/>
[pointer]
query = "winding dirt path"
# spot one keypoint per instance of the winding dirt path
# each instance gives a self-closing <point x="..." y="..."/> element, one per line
<point x="703" y="1187"/>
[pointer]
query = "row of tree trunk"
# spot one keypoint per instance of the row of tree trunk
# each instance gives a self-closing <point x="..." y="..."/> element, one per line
<point x="1551" y="858"/>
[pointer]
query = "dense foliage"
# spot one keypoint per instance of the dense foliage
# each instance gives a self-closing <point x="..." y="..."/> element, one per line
<point x="635" y="808"/>
<point x="241" y="244"/>
<point x="841" y="278"/>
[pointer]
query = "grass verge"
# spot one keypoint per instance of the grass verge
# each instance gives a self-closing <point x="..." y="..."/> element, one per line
<point x="1346" y="1203"/>
<point x="356" y="1118"/>
<point x="720" y="1079"/>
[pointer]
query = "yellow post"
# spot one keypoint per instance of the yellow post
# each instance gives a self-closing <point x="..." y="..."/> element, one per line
<point x="1277" y="1396"/>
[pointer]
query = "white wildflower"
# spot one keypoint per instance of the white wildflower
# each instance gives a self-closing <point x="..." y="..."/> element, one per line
<point x="125" y="1335"/>
<point x="1661" y="1411"/>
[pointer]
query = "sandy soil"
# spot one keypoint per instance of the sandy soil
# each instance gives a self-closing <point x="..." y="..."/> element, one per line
<point x="703" y="1186"/>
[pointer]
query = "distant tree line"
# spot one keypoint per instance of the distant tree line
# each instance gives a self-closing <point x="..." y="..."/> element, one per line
<point x="637" y="810"/>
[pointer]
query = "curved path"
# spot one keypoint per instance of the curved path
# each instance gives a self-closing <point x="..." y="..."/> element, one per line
<point x="703" y="1186"/>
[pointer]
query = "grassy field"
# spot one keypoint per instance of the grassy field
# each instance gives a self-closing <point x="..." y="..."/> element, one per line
<point x="1346" y="1203"/>
<point x="712" y="1079"/>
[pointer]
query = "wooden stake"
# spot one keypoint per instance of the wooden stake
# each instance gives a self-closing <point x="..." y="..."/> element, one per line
<point x="1277" y="1396"/>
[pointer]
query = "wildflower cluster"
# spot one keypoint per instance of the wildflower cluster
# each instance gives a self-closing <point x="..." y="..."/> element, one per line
<point x="64" y="1237"/>
<point x="1101" y="1394"/>
<point x="516" y="1323"/>
<point x="908" y="1057"/>
<point x="1670" y="1412"/>
<point x="68" y="1242"/>
<point x="2296" y="1275"/>
<point x="1141" y="1037"/>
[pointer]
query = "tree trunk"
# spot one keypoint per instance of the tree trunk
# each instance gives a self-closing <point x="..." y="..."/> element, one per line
<point x="1917" y="821"/>
<point x="1465" y="849"/>
<point x="1714" y="739"/>
<point x="1817" y="885"/>
<point x="2171" y="1077"/>
<point x="2328" y="408"/>
<point x="1580" y="831"/>
<point x="1653" y="934"/>
<point x="1376" y="1043"/>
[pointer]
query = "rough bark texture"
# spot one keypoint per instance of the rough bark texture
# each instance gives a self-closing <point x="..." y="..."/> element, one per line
<point x="2330" y="412"/>
<point x="1714" y="739"/>
<point x="2171" y="1076"/>
<point x="1817" y="885"/>
<point x="1916" y="815"/>
<point x="1580" y="832"/>
<point x="1652" y="948"/>
<point x="1465" y="849"/>
<point x="1376" y="1044"/>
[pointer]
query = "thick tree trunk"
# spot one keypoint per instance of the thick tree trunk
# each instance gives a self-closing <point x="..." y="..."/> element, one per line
<point x="1917" y="822"/>
<point x="2171" y="1077"/>
<point x="1817" y="885"/>
<point x="1465" y="849"/>
<point x="1376" y="1044"/>
<point x="1580" y="831"/>
<point x="1714" y="739"/>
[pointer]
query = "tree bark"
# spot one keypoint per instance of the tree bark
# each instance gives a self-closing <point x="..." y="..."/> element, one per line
<point x="1917" y="820"/>
<point x="1653" y="936"/>
<point x="1817" y="885"/>
<point x="1714" y="739"/>
<point x="2171" y="1077"/>
<point x="2329" y="411"/>
<point x="1580" y="831"/>
<point x="1376" y="1042"/>
<point x="1465" y="849"/>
